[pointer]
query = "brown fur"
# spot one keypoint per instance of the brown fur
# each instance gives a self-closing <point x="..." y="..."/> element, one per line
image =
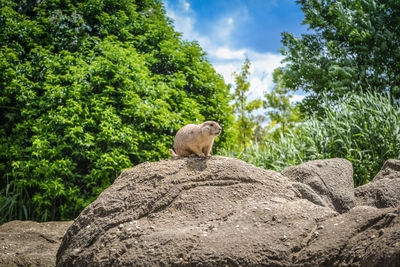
<point x="195" y="139"/>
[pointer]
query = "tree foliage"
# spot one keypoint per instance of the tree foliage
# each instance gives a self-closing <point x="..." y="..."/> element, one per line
<point x="282" y="114"/>
<point x="88" y="88"/>
<point x="245" y="121"/>
<point x="354" y="47"/>
<point x="365" y="129"/>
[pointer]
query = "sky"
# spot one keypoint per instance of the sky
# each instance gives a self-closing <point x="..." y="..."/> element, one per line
<point x="231" y="30"/>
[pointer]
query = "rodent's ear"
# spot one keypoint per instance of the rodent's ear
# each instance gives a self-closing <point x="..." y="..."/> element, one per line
<point x="205" y="129"/>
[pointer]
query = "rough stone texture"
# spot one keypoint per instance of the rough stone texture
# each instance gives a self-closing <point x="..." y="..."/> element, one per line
<point x="222" y="211"/>
<point x="384" y="190"/>
<point x="27" y="243"/>
<point x="306" y="192"/>
<point x="332" y="179"/>
<point x="364" y="236"/>
<point x="390" y="170"/>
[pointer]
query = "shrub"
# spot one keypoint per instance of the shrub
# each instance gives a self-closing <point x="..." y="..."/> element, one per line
<point x="89" y="88"/>
<point x="365" y="129"/>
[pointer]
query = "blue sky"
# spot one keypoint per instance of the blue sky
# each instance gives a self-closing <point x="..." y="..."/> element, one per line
<point x="230" y="30"/>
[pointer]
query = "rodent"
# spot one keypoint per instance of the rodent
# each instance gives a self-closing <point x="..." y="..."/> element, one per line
<point x="195" y="139"/>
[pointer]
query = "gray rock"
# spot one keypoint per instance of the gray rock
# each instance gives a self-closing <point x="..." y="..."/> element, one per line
<point x="306" y="192"/>
<point x="332" y="179"/>
<point x="364" y="236"/>
<point x="390" y="170"/>
<point x="191" y="211"/>
<point x="222" y="211"/>
<point x="384" y="189"/>
<point x="27" y="243"/>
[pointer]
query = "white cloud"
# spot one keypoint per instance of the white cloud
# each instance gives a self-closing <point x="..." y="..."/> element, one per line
<point x="226" y="53"/>
<point x="186" y="5"/>
<point x="262" y="65"/>
<point x="222" y="30"/>
<point x="296" y="98"/>
<point x="222" y="56"/>
<point x="226" y="70"/>
<point x="184" y="21"/>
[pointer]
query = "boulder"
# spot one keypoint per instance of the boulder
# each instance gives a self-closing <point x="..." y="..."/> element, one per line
<point x="222" y="211"/>
<point x="384" y="189"/>
<point x="390" y="170"/>
<point x="27" y="243"/>
<point x="332" y="179"/>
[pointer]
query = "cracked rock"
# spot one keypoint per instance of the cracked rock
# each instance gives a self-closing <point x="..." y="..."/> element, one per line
<point x="263" y="218"/>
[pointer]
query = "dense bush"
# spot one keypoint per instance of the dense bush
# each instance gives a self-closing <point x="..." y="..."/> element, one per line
<point x="88" y="88"/>
<point x="364" y="129"/>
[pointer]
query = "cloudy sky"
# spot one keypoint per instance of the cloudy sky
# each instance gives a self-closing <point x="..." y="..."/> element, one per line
<point x="230" y="30"/>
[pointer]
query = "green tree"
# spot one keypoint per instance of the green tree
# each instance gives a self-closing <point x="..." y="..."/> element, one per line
<point x="365" y="129"/>
<point x="87" y="89"/>
<point x="246" y="122"/>
<point x="282" y="114"/>
<point x="354" y="47"/>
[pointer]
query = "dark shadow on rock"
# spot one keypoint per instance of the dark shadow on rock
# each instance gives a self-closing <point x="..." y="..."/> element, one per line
<point x="306" y="192"/>
<point x="196" y="163"/>
<point x="331" y="179"/>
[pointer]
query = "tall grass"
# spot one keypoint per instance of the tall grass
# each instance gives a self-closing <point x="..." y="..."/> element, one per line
<point x="365" y="129"/>
<point x="14" y="202"/>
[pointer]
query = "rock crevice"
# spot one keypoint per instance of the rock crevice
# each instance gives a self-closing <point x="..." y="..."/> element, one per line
<point x="221" y="211"/>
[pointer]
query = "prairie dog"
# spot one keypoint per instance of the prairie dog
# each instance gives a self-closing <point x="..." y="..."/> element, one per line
<point x="195" y="139"/>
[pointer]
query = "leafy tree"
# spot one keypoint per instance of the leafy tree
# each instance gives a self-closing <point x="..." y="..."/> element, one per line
<point x="87" y="89"/>
<point x="282" y="114"/>
<point x="245" y="122"/>
<point x="354" y="47"/>
<point x="365" y="129"/>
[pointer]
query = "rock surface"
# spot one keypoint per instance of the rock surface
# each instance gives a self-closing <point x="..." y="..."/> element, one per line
<point x="390" y="170"/>
<point x="332" y="179"/>
<point x="384" y="191"/>
<point x="27" y="243"/>
<point x="222" y="211"/>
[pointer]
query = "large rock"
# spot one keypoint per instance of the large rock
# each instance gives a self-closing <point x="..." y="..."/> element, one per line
<point x="332" y="179"/>
<point x="365" y="236"/>
<point x="222" y="211"/>
<point x="27" y="243"/>
<point x="384" y="190"/>
<point x="390" y="170"/>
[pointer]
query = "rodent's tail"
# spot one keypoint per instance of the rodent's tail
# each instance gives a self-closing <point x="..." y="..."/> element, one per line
<point x="173" y="154"/>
